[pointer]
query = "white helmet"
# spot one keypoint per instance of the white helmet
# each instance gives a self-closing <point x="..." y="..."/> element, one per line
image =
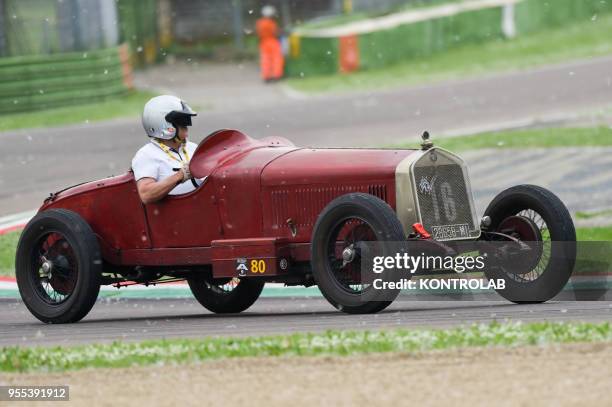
<point x="163" y="114"/>
<point x="268" y="11"/>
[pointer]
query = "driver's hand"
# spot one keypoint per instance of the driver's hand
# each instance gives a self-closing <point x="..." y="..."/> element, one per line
<point x="186" y="172"/>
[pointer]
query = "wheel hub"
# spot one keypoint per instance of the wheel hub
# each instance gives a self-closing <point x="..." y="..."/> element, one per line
<point x="348" y="255"/>
<point x="521" y="228"/>
<point x="57" y="269"/>
<point x="47" y="267"/>
<point x="524" y="229"/>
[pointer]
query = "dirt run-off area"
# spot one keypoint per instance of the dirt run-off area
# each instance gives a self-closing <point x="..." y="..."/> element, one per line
<point x="559" y="375"/>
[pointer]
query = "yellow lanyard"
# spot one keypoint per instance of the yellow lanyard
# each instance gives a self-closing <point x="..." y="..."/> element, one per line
<point x="166" y="150"/>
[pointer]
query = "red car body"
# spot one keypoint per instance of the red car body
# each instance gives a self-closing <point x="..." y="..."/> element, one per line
<point x="270" y="211"/>
<point x="261" y="199"/>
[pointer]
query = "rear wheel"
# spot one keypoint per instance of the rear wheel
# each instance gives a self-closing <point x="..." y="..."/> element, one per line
<point x="536" y="216"/>
<point x="342" y="230"/>
<point x="226" y="296"/>
<point x="58" y="266"/>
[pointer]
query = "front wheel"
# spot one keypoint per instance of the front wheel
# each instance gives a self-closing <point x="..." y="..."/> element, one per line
<point x="226" y="296"/>
<point x="58" y="266"/>
<point x="533" y="214"/>
<point x="341" y="233"/>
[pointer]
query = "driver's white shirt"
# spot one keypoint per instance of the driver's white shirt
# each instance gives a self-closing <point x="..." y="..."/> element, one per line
<point x="152" y="162"/>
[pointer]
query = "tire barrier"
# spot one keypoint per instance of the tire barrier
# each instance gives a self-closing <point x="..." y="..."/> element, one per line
<point x="45" y="81"/>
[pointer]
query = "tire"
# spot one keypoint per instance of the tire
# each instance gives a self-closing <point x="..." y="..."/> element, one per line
<point x="386" y="227"/>
<point x="215" y="299"/>
<point x="68" y="292"/>
<point x="524" y="200"/>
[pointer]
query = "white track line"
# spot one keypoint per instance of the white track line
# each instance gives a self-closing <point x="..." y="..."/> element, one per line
<point x="15" y="221"/>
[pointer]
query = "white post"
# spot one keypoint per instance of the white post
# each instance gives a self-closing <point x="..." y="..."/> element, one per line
<point x="508" y="22"/>
<point x="109" y="22"/>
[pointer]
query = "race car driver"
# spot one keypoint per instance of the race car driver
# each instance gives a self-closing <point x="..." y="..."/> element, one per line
<point x="161" y="167"/>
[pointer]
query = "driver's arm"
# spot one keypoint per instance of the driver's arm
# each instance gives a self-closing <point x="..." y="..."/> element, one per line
<point x="152" y="191"/>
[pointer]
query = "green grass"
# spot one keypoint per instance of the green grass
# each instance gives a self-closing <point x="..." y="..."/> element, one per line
<point x="599" y="234"/>
<point x="334" y="343"/>
<point x="545" y="138"/>
<point x="575" y="41"/>
<point x="595" y="214"/>
<point x="129" y="105"/>
<point x="8" y="246"/>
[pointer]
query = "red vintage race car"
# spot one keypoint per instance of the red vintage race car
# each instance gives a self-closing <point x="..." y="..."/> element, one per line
<point x="269" y="211"/>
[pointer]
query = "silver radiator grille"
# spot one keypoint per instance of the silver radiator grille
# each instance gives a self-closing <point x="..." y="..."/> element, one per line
<point x="443" y="197"/>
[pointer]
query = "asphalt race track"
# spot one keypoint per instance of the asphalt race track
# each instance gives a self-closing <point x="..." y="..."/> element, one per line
<point x="136" y="319"/>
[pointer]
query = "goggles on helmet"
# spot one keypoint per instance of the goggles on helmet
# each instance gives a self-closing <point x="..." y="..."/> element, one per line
<point x="179" y="119"/>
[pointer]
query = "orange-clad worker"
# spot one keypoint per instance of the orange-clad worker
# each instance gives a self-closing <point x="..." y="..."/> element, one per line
<point x="270" y="49"/>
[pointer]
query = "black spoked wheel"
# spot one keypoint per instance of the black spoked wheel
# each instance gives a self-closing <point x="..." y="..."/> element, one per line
<point x="55" y="270"/>
<point x="537" y="217"/>
<point x="58" y="266"/>
<point x="342" y="232"/>
<point x="226" y="296"/>
<point x="344" y="248"/>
